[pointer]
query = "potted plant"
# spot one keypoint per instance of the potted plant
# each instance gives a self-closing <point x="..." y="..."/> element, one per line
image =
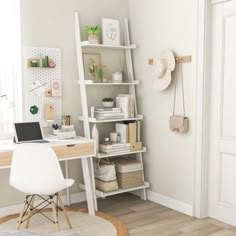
<point x="108" y="102"/>
<point x="100" y="73"/>
<point x="93" y="32"/>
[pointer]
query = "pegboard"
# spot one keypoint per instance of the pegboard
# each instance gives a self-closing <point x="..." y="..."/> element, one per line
<point x="44" y="76"/>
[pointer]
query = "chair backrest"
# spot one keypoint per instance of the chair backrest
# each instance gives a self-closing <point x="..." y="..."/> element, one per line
<point x="35" y="169"/>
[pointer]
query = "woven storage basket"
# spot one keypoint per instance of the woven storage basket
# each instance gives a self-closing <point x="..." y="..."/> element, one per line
<point x="129" y="173"/>
<point x="106" y="186"/>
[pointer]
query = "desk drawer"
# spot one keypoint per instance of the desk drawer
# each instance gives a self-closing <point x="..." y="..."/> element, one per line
<point x="85" y="149"/>
<point x="5" y="158"/>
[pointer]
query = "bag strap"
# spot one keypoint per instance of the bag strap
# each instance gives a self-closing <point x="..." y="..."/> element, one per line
<point x="181" y="75"/>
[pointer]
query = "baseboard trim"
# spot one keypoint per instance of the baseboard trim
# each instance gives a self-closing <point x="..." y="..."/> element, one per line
<point x="74" y="198"/>
<point x="170" y="203"/>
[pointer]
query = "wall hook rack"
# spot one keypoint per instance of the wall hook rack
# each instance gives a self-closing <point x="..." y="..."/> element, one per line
<point x="179" y="59"/>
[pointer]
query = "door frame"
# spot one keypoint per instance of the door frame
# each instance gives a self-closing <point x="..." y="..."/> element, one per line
<point x="202" y="107"/>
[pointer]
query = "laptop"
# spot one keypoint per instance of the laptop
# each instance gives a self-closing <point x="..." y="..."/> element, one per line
<point x="28" y="132"/>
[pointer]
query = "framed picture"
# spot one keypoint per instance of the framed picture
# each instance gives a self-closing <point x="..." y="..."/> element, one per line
<point x="91" y="61"/>
<point x="110" y="31"/>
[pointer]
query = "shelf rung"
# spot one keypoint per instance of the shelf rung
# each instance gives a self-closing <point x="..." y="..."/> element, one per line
<point x="90" y="83"/>
<point x="94" y="120"/>
<point x="106" y="194"/>
<point x="104" y="46"/>
<point x="104" y="155"/>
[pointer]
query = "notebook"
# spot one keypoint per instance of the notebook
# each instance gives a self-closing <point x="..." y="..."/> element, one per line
<point x="28" y="132"/>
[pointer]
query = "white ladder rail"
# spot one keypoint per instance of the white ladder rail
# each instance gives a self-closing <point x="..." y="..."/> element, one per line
<point x="129" y="64"/>
<point x="83" y="94"/>
<point x="130" y="72"/>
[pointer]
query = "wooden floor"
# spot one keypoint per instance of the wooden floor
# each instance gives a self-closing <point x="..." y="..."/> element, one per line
<point x="145" y="218"/>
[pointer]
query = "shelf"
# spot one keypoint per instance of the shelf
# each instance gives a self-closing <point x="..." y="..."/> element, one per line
<point x="95" y="121"/>
<point x="38" y="62"/>
<point x="89" y="82"/>
<point x="86" y="44"/>
<point x="104" y="155"/>
<point x="107" y="194"/>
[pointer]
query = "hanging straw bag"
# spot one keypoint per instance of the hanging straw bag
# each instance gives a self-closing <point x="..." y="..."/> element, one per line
<point x="179" y="124"/>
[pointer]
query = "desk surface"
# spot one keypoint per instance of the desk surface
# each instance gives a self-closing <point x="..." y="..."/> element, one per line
<point x="77" y="148"/>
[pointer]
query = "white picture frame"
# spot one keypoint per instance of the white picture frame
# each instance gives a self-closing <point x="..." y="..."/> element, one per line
<point x="91" y="60"/>
<point x="110" y="31"/>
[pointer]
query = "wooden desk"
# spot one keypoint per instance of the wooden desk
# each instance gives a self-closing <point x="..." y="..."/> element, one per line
<point x="78" y="148"/>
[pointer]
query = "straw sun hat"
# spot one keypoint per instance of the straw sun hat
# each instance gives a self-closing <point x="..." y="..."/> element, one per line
<point x="164" y="65"/>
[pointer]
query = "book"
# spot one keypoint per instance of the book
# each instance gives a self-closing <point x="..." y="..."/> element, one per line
<point x="123" y="104"/>
<point x="127" y="104"/>
<point x="138" y="131"/>
<point x="114" y="115"/>
<point x="112" y="109"/>
<point x="114" y="148"/>
<point x="123" y="129"/>
<point x="132" y="133"/>
<point x="115" y="151"/>
<point x="115" y="145"/>
<point x="109" y="114"/>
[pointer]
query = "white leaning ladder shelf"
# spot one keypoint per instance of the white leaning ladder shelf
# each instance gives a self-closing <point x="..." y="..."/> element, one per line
<point x="83" y="93"/>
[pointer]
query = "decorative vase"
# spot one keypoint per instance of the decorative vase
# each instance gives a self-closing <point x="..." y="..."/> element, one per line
<point x="108" y="104"/>
<point x="93" y="39"/>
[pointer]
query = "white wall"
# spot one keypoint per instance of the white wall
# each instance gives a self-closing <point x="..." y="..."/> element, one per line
<point x="156" y="25"/>
<point x="50" y="23"/>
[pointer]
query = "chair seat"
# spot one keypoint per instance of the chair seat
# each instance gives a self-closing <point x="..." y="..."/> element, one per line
<point x="69" y="182"/>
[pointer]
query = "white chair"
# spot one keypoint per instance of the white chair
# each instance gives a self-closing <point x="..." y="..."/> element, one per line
<point x="35" y="170"/>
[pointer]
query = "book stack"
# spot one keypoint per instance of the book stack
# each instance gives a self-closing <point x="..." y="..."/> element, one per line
<point x="126" y="103"/>
<point x="108" y="113"/>
<point x="114" y="148"/>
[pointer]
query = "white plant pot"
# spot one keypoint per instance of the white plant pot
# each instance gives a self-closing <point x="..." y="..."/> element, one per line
<point x="108" y="104"/>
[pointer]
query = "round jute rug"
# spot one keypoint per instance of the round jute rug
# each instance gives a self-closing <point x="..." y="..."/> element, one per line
<point x="83" y="224"/>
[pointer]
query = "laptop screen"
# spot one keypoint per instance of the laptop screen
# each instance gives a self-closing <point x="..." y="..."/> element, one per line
<point x="28" y="131"/>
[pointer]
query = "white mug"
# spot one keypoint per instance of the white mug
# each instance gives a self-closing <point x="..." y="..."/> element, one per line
<point x="114" y="137"/>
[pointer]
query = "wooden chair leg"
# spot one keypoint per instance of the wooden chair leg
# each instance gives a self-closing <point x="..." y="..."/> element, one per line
<point x="64" y="211"/>
<point x="30" y="211"/>
<point x="21" y="214"/>
<point x="55" y="214"/>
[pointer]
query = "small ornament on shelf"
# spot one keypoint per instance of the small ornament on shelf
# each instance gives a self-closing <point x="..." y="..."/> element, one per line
<point x="117" y="77"/>
<point x="41" y="62"/>
<point x="107" y="102"/>
<point x="100" y="73"/>
<point x="93" y="32"/>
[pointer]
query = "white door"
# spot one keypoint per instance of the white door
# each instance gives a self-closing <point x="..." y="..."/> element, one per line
<point x="222" y="133"/>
